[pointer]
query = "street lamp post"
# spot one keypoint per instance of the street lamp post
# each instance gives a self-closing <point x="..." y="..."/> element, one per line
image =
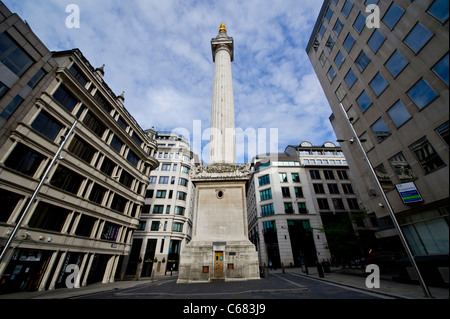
<point x="388" y="205"/>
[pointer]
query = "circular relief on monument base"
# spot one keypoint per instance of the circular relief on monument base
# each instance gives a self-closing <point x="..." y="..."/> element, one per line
<point x="220" y="193"/>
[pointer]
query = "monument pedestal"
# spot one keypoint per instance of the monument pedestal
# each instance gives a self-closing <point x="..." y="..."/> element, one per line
<point x="220" y="249"/>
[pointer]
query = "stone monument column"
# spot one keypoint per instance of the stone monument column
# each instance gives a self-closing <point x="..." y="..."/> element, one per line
<point x="220" y="249"/>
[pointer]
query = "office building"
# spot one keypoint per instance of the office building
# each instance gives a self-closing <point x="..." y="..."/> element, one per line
<point x="291" y="200"/>
<point x="165" y="225"/>
<point x="391" y="76"/>
<point x="89" y="206"/>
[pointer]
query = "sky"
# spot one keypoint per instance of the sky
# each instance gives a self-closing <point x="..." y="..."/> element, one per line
<point x="159" y="53"/>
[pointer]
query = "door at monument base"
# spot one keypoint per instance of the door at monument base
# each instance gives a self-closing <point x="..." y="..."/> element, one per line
<point x="218" y="264"/>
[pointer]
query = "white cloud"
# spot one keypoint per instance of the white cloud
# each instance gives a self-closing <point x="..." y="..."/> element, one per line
<point x="159" y="53"/>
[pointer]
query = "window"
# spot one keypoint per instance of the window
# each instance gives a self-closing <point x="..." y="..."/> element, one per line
<point x="132" y="158"/>
<point x="338" y="203"/>
<point x="302" y="208"/>
<point x="348" y="189"/>
<point x="9" y="202"/>
<point x="364" y="101"/>
<point x="340" y="92"/>
<point x="177" y="227"/>
<point x="418" y="37"/>
<point x="288" y="208"/>
<point x="331" y="74"/>
<point x="318" y="189"/>
<point x="97" y="194"/>
<point x="329" y="14"/>
<point x="161" y="194"/>
<point x="94" y="124"/>
<point x="179" y="210"/>
<point x="116" y="144"/>
<point x="330" y="43"/>
<point x="441" y="69"/>
<point x="426" y="155"/>
<point x="165" y="167"/>
<point x="11" y="107"/>
<point x="3" y="89"/>
<point x="181" y="195"/>
<point x="339" y="59"/>
<point x="46" y="125"/>
<point x="13" y="56"/>
<point x="342" y="175"/>
<point x="322" y="58"/>
<point x="267" y="210"/>
<point x="383" y="178"/>
<point x="442" y="131"/>
<point x="333" y="188"/>
<point x="285" y="192"/>
<point x="102" y="102"/>
<point x="328" y="174"/>
<point x="24" y="160"/>
<point x="380" y="130"/>
<point x="67" y="180"/>
<point x="376" y="40"/>
<point x="152" y="179"/>
<point x="295" y="178"/>
<point x="298" y="192"/>
<point x="146" y="209"/>
<point x="360" y="22"/>
<point x="349" y="42"/>
<point x="393" y="15"/>
<point x="64" y="97"/>
<point x="81" y="149"/>
<point x="110" y="231"/>
<point x="118" y="203"/>
<point x="322" y="30"/>
<point x="264" y="180"/>
<point x="183" y="181"/>
<point x="350" y="78"/>
<point x="78" y="75"/>
<point x="422" y="94"/>
<point x="36" y="78"/>
<point x="352" y="203"/>
<point x="283" y="177"/>
<point x="378" y="84"/>
<point x="315" y="174"/>
<point x="348" y="5"/>
<point x="398" y="113"/>
<point x="154" y="226"/>
<point x="141" y="226"/>
<point x="401" y="168"/>
<point x="362" y="61"/>
<point x="396" y="63"/>
<point x="265" y="194"/>
<point x="85" y="226"/>
<point x="126" y="179"/>
<point x="164" y="180"/>
<point x="338" y="27"/>
<point x="323" y="204"/>
<point x="48" y="217"/>
<point x="107" y="166"/>
<point x="184" y="169"/>
<point x="136" y="139"/>
<point x="439" y="10"/>
<point x="158" y="209"/>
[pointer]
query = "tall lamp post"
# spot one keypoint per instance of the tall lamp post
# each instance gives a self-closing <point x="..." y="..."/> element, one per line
<point x="388" y="205"/>
<point x="36" y="191"/>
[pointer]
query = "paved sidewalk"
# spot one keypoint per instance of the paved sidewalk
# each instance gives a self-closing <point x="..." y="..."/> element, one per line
<point x="387" y="287"/>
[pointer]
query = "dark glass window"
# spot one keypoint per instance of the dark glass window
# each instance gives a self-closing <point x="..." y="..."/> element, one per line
<point x="65" y="98"/>
<point x="118" y="203"/>
<point x="11" y="107"/>
<point x="136" y="139"/>
<point x="132" y="158"/>
<point x="122" y="123"/>
<point x="350" y="78"/>
<point x="94" y="124"/>
<point x="67" y="180"/>
<point x="441" y="69"/>
<point x="443" y="133"/>
<point x="330" y="43"/>
<point x="376" y="40"/>
<point x="396" y="63"/>
<point x="349" y="42"/>
<point x="364" y="101"/>
<point x="264" y="180"/>
<point x="348" y="5"/>
<point x="24" y="160"/>
<point x="3" y="89"/>
<point x="378" y="84"/>
<point x="398" y="113"/>
<point x="47" y="125"/>
<point x="439" y="10"/>
<point x="323" y="203"/>
<point x="338" y="27"/>
<point x="36" y="78"/>
<point x="48" y="217"/>
<point x="422" y="94"/>
<point x="331" y="74"/>
<point x="110" y="231"/>
<point x="107" y="166"/>
<point x="116" y="144"/>
<point x="418" y="37"/>
<point x="393" y="15"/>
<point x="380" y="130"/>
<point x="97" y="194"/>
<point x="329" y="14"/>
<point x="315" y="174"/>
<point x="102" y="101"/>
<point x="401" y="168"/>
<point x="339" y="59"/>
<point x="362" y="61"/>
<point x="81" y="149"/>
<point x="85" y="226"/>
<point x="9" y="202"/>
<point x="426" y="155"/>
<point x="13" y="56"/>
<point x="126" y="178"/>
<point x="78" y="75"/>
<point x="360" y="22"/>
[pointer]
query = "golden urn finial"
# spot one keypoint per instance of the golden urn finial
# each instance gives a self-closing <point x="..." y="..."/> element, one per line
<point x="222" y="28"/>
